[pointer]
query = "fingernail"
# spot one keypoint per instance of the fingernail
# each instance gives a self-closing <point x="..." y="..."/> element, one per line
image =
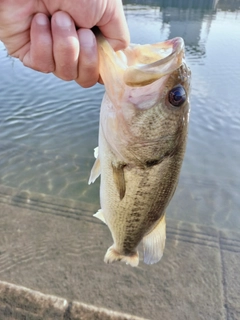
<point x="41" y="19"/>
<point x="63" y="20"/>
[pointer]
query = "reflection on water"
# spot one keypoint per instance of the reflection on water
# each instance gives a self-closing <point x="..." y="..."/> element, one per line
<point x="49" y="128"/>
<point x="187" y="22"/>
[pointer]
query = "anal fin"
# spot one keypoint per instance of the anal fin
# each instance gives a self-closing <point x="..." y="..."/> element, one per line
<point x="154" y="243"/>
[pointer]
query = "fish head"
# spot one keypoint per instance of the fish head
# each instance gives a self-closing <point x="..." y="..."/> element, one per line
<point x="148" y="90"/>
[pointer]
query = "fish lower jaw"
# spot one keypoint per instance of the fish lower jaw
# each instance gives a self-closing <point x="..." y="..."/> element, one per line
<point x="113" y="255"/>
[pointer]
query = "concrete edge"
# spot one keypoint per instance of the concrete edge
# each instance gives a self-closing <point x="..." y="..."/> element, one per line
<point x="17" y="302"/>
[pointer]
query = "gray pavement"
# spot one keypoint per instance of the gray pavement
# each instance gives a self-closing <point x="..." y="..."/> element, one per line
<point x="56" y="247"/>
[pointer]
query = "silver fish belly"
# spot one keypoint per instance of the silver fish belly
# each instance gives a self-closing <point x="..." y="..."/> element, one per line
<point x="142" y="140"/>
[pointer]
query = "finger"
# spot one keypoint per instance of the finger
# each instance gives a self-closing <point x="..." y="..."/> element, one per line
<point x="100" y="80"/>
<point x="39" y="56"/>
<point x="88" y="72"/>
<point x="115" y="28"/>
<point x="65" y="46"/>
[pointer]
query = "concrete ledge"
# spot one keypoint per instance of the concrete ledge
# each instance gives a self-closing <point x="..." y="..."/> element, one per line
<point x="56" y="247"/>
<point x="17" y="302"/>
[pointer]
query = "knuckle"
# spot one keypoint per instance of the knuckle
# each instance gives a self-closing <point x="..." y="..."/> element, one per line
<point x="64" y="75"/>
<point x="87" y="80"/>
<point x="41" y="66"/>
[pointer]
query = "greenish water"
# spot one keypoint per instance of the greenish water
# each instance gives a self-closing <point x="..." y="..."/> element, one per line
<point x="49" y="128"/>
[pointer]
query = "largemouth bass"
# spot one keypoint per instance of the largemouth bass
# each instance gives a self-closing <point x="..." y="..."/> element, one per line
<point x="142" y="139"/>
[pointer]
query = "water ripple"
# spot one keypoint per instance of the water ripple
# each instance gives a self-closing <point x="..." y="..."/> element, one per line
<point x="49" y="127"/>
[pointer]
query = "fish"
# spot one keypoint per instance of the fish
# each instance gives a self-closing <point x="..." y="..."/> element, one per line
<point x="142" y="140"/>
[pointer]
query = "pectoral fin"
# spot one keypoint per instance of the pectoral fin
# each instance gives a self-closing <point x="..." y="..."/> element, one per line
<point x="118" y="175"/>
<point x="154" y="243"/>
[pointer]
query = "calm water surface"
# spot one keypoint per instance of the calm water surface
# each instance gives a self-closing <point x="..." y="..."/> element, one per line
<point x="49" y="128"/>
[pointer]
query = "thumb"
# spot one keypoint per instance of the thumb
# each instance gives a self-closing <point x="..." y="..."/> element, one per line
<point x="115" y="30"/>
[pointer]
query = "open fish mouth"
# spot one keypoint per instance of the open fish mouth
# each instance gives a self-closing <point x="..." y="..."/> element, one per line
<point x="138" y="65"/>
<point x="151" y="62"/>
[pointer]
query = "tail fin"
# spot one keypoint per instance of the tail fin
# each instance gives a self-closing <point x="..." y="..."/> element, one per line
<point x="112" y="255"/>
<point x="154" y="243"/>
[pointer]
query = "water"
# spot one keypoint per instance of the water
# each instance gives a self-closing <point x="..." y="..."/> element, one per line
<point x="49" y="129"/>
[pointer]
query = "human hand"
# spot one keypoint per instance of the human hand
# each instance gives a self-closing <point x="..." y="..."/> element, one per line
<point x="65" y="45"/>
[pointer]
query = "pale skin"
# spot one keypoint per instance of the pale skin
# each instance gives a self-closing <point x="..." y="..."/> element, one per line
<point x="55" y="35"/>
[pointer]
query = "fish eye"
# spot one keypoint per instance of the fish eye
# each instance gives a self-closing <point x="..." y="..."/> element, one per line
<point x="177" y="96"/>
